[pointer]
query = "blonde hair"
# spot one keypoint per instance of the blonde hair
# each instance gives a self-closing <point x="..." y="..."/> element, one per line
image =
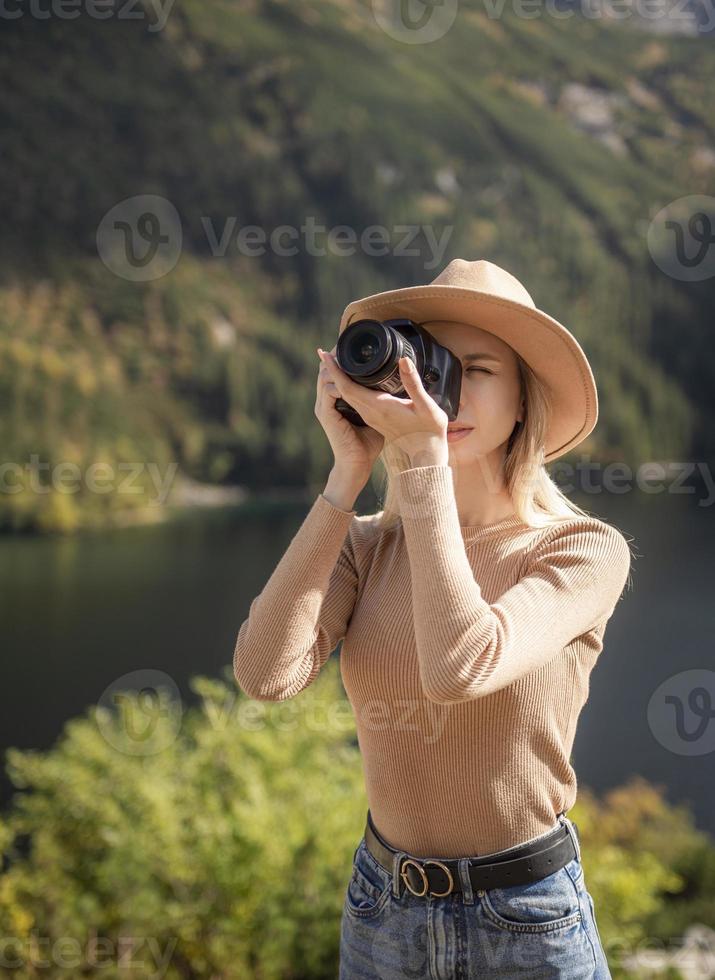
<point x="537" y="500"/>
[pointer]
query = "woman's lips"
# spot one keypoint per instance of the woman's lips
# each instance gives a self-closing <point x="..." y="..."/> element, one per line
<point x="456" y="434"/>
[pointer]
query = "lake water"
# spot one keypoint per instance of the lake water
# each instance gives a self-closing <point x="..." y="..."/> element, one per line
<point x="78" y="613"/>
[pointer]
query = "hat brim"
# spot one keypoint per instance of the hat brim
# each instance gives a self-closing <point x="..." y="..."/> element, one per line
<point x="550" y="350"/>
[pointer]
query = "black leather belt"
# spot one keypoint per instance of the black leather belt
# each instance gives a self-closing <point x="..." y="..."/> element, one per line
<point x="434" y="878"/>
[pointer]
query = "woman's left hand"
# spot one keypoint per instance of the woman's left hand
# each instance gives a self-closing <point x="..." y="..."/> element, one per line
<point x="417" y="424"/>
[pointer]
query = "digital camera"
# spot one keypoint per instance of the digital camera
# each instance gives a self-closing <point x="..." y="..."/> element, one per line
<point x="368" y="351"/>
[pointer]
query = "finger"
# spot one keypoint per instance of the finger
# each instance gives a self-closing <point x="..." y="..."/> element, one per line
<point x="345" y="384"/>
<point x="323" y="375"/>
<point x="321" y="379"/>
<point x="411" y="380"/>
<point x="370" y="403"/>
<point x="328" y="387"/>
<point x="323" y="357"/>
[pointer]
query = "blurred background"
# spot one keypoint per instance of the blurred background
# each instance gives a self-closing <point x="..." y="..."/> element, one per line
<point x="192" y="193"/>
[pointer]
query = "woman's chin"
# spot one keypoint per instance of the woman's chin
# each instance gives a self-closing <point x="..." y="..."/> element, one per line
<point x="466" y="451"/>
<point x="459" y="447"/>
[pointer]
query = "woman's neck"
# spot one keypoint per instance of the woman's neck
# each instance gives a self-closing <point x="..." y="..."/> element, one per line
<point x="480" y="493"/>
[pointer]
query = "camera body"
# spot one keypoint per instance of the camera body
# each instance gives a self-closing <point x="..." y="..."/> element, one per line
<point x="368" y="351"/>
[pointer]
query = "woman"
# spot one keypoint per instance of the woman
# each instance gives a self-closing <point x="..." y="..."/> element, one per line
<point x="472" y="609"/>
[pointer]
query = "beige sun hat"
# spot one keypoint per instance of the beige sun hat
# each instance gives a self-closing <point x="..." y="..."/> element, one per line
<point x="484" y="295"/>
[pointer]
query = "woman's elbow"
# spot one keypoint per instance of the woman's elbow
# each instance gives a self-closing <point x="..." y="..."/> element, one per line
<point x="265" y="694"/>
<point x="245" y="673"/>
<point x="267" y="682"/>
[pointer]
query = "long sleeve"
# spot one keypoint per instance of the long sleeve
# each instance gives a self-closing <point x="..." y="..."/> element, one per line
<point x="467" y="648"/>
<point x="303" y="611"/>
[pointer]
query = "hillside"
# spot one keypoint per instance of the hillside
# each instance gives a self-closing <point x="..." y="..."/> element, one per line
<point x="546" y="145"/>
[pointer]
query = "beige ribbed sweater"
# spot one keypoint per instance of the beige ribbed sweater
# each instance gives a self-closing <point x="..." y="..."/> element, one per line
<point x="466" y="657"/>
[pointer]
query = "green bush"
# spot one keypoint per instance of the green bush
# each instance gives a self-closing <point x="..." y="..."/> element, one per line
<point x="638" y="859"/>
<point x="224" y="842"/>
<point x="216" y="841"/>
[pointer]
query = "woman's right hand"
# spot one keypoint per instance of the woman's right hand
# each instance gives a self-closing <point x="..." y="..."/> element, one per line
<point x="355" y="448"/>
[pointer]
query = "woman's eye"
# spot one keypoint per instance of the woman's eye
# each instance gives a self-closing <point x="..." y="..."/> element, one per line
<point x="486" y="371"/>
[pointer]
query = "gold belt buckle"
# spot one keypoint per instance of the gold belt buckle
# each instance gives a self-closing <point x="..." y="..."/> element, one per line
<point x="425" y="881"/>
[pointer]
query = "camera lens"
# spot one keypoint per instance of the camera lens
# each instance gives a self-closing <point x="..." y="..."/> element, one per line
<point x="364" y="348"/>
<point x="369" y="351"/>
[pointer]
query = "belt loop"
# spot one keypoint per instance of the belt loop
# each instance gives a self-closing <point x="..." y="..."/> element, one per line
<point x="467" y="894"/>
<point x="572" y="832"/>
<point x="396" y="861"/>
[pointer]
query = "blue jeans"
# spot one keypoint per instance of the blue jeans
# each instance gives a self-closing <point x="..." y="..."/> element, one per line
<point x="544" y="930"/>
